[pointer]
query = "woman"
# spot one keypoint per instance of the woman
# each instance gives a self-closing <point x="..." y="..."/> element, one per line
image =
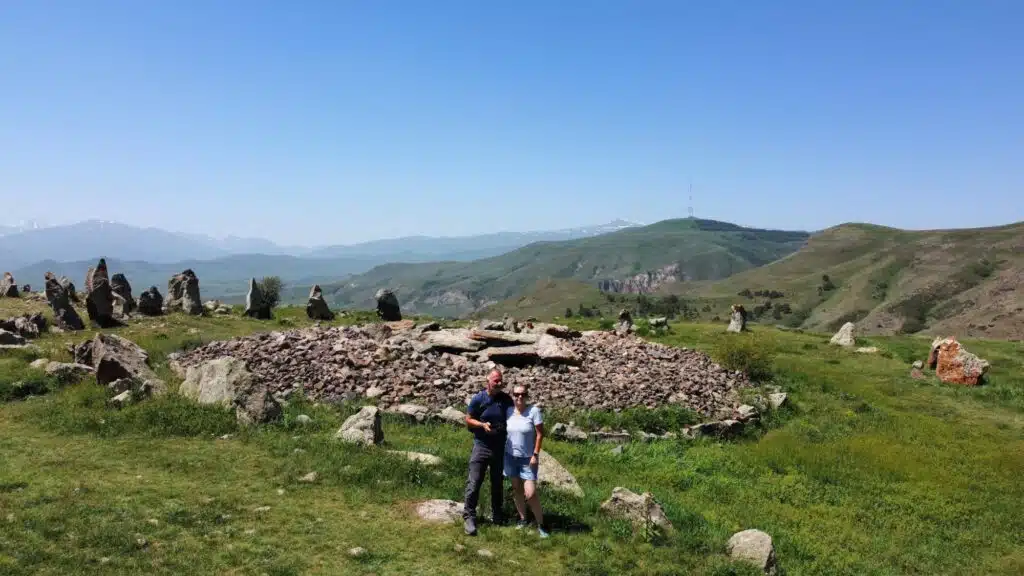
<point x="525" y="428"/>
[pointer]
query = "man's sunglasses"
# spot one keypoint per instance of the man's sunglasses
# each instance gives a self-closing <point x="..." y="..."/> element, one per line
<point x="517" y="394"/>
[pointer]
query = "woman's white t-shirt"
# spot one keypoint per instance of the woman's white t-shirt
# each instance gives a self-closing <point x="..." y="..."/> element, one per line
<point x="522" y="436"/>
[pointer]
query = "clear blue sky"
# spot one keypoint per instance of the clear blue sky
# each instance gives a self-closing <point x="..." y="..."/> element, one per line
<point x="335" y="121"/>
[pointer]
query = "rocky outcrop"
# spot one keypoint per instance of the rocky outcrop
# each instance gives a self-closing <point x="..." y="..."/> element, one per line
<point x="737" y="319"/>
<point x="227" y="382"/>
<point x="64" y="314"/>
<point x="643" y="283"/>
<point x="955" y="365"/>
<point x="363" y="427"/>
<point x="387" y="305"/>
<point x="151" y="302"/>
<point x="183" y="293"/>
<point x="398" y="365"/>
<point x="8" y="287"/>
<point x="114" y="357"/>
<point x="316" y="306"/>
<point x="640" y="509"/>
<point x="844" y="337"/>
<point x="753" y="547"/>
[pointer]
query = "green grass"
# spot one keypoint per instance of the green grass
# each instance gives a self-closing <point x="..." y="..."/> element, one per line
<point x="866" y="472"/>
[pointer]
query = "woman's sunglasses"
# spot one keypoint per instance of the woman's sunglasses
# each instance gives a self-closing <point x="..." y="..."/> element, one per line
<point x="518" y="394"/>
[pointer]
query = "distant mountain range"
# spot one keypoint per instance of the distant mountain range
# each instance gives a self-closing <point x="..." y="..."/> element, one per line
<point x="148" y="256"/>
<point x="29" y="243"/>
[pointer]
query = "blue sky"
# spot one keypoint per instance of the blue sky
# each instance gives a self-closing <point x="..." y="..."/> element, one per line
<point x="335" y="121"/>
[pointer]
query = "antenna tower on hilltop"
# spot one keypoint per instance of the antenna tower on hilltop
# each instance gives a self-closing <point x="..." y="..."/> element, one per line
<point x="689" y="208"/>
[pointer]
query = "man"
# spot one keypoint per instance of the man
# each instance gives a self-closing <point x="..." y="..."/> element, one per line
<point x="485" y="418"/>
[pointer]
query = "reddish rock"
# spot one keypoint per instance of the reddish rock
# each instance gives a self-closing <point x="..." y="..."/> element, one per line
<point x="956" y="365"/>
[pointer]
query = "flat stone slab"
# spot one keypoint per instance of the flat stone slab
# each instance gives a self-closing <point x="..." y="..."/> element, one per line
<point x="503" y="338"/>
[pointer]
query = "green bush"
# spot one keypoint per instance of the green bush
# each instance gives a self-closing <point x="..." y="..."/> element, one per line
<point x="271" y="287"/>
<point x="752" y="355"/>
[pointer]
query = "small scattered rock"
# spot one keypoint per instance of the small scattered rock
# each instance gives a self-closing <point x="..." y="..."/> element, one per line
<point x="484" y="553"/>
<point x="570" y="432"/>
<point x="440" y="511"/>
<point x="363" y="427"/>
<point x="754" y="547"/>
<point x="309" y="478"/>
<point x="640" y="509"/>
<point x="303" y="420"/>
<point x="425" y="459"/>
<point x="357" y="552"/>
<point x="918" y="364"/>
<point x="867" y="350"/>
<point x="777" y="399"/>
<point x="452" y="415"/>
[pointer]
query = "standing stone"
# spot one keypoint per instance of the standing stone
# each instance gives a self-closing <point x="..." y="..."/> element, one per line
<point x="64" y="313"/>
<point x="119" y="284"/>
<point x="255" y="305"/>
<point x="27" y="288"/>
<point x="8" y="287"/>
<point x="183" y="293"/>
<point x="550" y="472"/>
<point x="99" y="297"/>
<point x="387" y="306"/>
<point x="625" y="325"/>
<point x="69" y="287"/>
<point x="364" y="427"/>
<point x="316" y="306"/>
<point x="151" y="303"/>
<point x="226" y="381"/>
<point x="845" y="336"/>
<point x="737" y="319"/>
<point x="754" y="547"/>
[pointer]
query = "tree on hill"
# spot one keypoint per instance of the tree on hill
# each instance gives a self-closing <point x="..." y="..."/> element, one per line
<point x="271" y="287"/>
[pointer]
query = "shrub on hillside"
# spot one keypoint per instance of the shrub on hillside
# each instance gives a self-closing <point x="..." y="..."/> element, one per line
<point x="271" y="287"/>
<point x="747" y="353"/>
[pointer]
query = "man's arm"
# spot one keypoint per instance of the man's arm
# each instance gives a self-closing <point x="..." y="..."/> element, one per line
<point x="472" y="413"/>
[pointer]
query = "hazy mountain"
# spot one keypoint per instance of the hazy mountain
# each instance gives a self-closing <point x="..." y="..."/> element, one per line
<point x="415" y="248"/>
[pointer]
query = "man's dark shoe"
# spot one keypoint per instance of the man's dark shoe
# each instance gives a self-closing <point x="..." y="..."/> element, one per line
<point x="470" y="526"/>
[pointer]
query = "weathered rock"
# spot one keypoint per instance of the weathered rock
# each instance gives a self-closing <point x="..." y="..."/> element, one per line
<point x="556" y="330"/>
<point x="64" y="313"/>
<point x="510" y="355"/>
<point x="39" y="363"/>
<point x="754" y="547"/>
<point x="551" y="349"/>
<point x="256" y="305"/>
<point x="625" y="323"/>
<point x="412" y="412"/>
<point x="8" y="287"/>
<point x="228" y="382"/>
<point x="958" y="366"/>
<point x="11" y="339"/>
<point x="659" y="322"/>
<point x="183" y="293"/>
<point x="640" y="509"/>
<point x="721" y="429"/>
<point x="509" y="324"/>
<point x="918" y="364"/>
<point x="550" y="472"/>
<point x="845" y="336"/>
<point x="69" y="287"/>
<point x="867" y="350"/>
<point x="568" y="432"/>
<point x="387" y="305"/>
<point x="126" y="305"/>
<point x="746" y="412"/>
<point x="357" y="552"/>
<point x="303" y="419"/>
<point x="777" y="399"/>
<point x="114" y="357"/>
<point x="309" y="478"/>
<point x="425" y="459"/>
<point x="26" y="289"/>
<point x="610" y="437"/>
<point x="448" y="341"/>
<point x="737" y="319"/>
<point x="364" y="427"/>
<point x="503" y="338"/>
<point x="452" y="415"/>
<point x="25" y="326"/>
<point x="444" y="511"/>
<point x="916" y="374"/>
<point x="491" y="325"/>
<point x="316" y="306"/>
<point x="68" y="372"/>
<point x="100" y="297"/>
<point x="121" y="400"/>
<point x="151" y="302"/>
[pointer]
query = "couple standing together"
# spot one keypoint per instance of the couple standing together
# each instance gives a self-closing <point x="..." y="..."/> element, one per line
<point x="507" y="438"/>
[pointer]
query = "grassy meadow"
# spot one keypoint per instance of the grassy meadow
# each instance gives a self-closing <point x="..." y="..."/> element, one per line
<point x="865" y="471"/>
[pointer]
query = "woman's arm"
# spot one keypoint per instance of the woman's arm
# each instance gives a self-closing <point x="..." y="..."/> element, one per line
<point x="539" y="426"/>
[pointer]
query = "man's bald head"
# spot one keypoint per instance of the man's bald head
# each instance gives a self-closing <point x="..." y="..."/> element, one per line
<point x="494" y="382"/>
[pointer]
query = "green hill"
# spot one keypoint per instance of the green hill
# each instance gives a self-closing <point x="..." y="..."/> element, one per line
<point x="634" y="260"/>
<point x="965" y="282"/>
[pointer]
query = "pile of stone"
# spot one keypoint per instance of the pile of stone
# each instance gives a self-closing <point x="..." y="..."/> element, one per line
<point x="401" y="362"/>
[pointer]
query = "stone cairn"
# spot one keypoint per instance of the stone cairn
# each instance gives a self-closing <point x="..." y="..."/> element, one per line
<point x="737" y="319"/>
<point x="183" y="293"/>
<point x="316" y="306"/>
<point x="8" y="287"/>
<point x="387" y="306"/>
<point x="256" y="306"/>
<point x="401" y="362"/>
<point x="64" y="313"/>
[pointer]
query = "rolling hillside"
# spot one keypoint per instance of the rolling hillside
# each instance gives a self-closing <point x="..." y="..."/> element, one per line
<point x="966" y="282"/>
<point x="634" y="260"/>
